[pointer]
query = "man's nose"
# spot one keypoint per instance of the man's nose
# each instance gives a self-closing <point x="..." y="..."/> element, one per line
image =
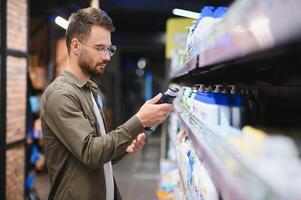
<point x="107" y="57"/>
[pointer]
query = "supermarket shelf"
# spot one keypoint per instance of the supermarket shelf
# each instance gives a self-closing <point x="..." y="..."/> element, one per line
<point x="206" y="189"/>
<point x="182" y="174"/>
<point x="172" y="137"/>
<point x="179" y="71"/>
<point x="249" y="28"/>
<point x="231" y="176"/>
<point x="225" y="186"/>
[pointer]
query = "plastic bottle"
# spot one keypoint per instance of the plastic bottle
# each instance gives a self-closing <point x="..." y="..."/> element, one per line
<point x="205" y="24"/>
<point x="191" y="162"/>
<point x="237" y="109"/>
<point x="261" y="110"/>
<point x="201" y="32"/>
<point x="192" y="105"/>
<point x="251" y="107"/>
<point x="245" y="103"/>
<point x="195" y="109"/>
<point x="223" y="100"/>
<point x="207" y="106"/>
<point x="167" y="97"/>
<point x="219" y="13"/>
<point x="186" y="95"/>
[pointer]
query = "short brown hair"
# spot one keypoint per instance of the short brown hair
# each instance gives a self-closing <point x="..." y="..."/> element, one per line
<point x="81" y="22"/>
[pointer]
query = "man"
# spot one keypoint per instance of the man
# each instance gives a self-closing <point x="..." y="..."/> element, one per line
<point x="78" y="149"/>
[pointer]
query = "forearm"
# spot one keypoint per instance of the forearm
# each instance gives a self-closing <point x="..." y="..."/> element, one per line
<point x="94" y="150"/>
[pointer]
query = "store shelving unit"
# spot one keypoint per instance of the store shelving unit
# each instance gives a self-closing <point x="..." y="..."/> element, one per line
<point x="188" y="163"/>
<point x="256" y="45"/>
<point x="181" y="172"/>
<point x="234" y="178"/>
<point x="249" y="29"/>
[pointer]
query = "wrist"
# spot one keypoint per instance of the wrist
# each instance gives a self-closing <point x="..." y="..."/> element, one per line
<point x="140" y="119"/>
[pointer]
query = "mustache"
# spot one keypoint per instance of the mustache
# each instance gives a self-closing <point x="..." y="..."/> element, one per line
<point x="101" y="63"/>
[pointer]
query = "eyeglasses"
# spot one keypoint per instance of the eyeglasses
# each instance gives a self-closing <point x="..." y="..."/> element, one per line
<point x="103" y="49"/>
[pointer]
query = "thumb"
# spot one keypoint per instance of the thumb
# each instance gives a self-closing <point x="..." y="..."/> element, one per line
<point x="155" y="99"/>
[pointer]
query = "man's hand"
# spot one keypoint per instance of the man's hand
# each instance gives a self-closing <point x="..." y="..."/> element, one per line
<point x="137" y="144"/>
<point x="151" y="114"/>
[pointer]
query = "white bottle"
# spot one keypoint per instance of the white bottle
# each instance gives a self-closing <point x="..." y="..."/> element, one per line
<point x="223" y="100"/>
<point x="201" y="32"/>
<point x="208" y="110"/>
<point x="207" y="31"/>
<point x="237" y="109"/>
<point x="205" y="24"/>
<point x="191" y="100"/>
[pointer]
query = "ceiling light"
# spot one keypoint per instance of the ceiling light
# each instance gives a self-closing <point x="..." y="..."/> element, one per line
<point x="141" y="63"/>
<point x="61" y="22"/>
<point x="186" y="13"/>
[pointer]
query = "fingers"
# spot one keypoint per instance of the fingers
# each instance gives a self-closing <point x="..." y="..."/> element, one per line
<point x="138" y="144"/>
<point x="164" y="111"/>
<point x="130" y="149"/>
<point x="139" y="141"/>
<point x="133" y="148"/>
<point x="151" y="114"/>
<point x="141" y="137"/>
<point x="167" y="107"/>
<point x="155" y="99"/>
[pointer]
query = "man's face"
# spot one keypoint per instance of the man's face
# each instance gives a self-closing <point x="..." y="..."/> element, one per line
<point x="91" y="60"/>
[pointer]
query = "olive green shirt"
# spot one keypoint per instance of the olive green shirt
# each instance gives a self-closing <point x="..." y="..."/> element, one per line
<point x="74" y="148"/>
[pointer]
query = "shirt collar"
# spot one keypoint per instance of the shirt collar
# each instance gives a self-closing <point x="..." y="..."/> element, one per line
<point x="80" y="83"/>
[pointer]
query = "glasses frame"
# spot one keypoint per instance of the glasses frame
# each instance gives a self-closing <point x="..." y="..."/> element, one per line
<point x="110" y="50"/>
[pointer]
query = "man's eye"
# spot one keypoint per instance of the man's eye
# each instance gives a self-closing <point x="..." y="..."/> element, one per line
<point x="102" y="48"/>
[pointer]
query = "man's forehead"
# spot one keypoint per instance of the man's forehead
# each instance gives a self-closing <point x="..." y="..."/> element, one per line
<point x="99" y="32"/>
<point x="99" y="29"/>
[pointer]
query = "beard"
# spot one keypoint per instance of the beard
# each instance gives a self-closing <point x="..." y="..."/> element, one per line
<point x="85" y="62"/>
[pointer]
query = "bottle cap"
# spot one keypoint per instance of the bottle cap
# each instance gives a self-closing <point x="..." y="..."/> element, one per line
<point x="220" y="12"/>
<point x="207" y="11"/>
<point x="172" y="91"/>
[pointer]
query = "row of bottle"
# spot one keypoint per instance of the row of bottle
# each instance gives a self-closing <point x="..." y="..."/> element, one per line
<point x="224" y="105"/>
<point x="196" y="180"/>
<point x="209" y="17"/>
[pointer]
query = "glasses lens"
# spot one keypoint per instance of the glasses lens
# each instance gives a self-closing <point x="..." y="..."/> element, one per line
<point x="112" y="50"/>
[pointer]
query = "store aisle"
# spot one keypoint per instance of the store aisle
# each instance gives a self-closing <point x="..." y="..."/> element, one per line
<point x="137" y="175"/>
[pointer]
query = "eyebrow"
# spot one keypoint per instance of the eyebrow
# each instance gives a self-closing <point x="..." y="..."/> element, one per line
<point x="101" y="45"/>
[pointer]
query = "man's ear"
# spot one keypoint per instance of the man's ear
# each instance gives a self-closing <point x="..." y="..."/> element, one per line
<point x="75" y="46"/>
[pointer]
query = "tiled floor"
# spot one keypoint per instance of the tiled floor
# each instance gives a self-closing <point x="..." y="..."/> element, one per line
<point x="137" y="175"/>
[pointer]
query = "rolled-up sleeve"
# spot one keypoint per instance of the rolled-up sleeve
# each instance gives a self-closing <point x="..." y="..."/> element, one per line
<point x="65" y="118"/>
